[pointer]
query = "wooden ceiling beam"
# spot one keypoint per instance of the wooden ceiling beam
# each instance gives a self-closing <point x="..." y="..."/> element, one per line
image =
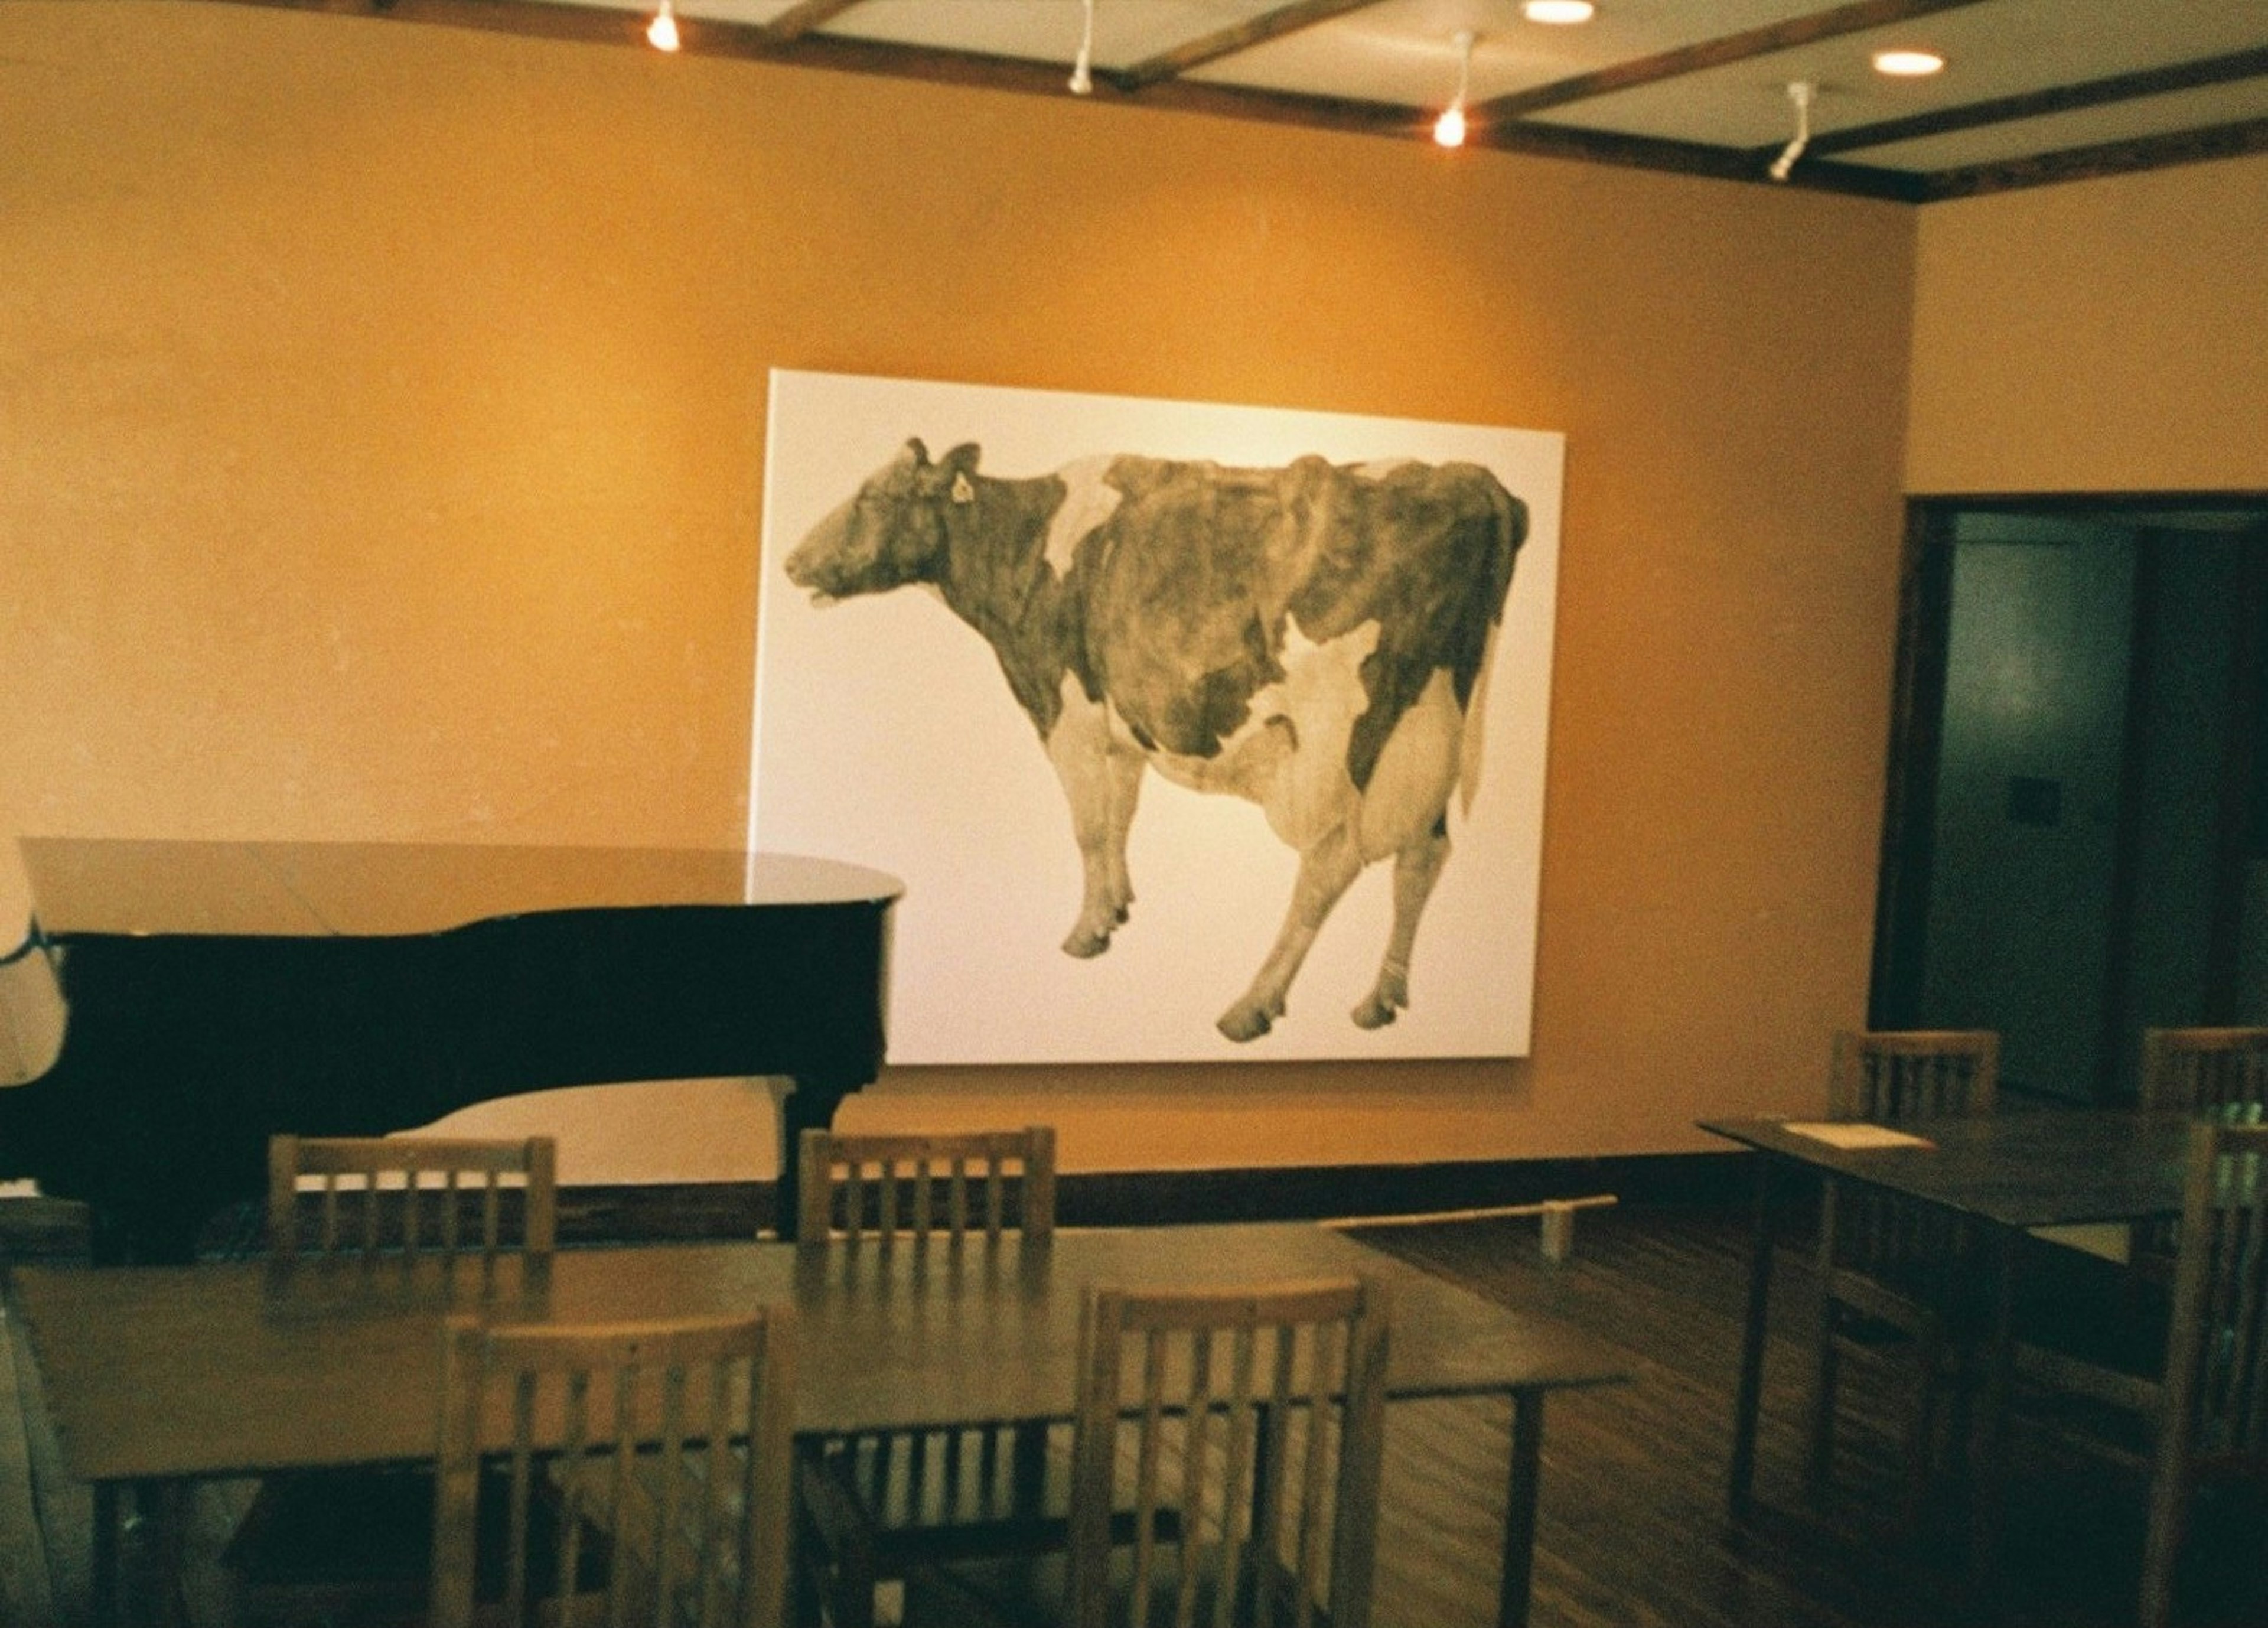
<point x="1784" y="35"/>
<point x="2120" y="157"/>
<point x="1256" y="30"/>
<point x="2056" y="99"/>
<point x="1651" y="152"/>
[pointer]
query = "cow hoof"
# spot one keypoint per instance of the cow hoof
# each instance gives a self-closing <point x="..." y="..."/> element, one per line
<point x="1244" y="1022"/>
<point x="1374" y="1013"/>
<point x="1086" y="946"/>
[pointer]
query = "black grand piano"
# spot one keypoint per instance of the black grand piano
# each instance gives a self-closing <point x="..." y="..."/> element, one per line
<point x="215" y="994"/>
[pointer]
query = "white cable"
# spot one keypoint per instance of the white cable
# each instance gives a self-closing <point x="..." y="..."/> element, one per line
<point x="1798" y="92"/>
<point x="1082" y="70"/>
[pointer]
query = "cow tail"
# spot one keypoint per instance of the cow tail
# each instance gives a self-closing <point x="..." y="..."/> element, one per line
<point x="1511" y="531"/>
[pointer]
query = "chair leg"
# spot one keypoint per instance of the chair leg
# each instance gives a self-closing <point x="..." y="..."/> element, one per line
<point x="1820" y="1437"/>
<point x="1921" y="1426"/>
<point x="2170" y="1501"/>
<point x="806" y="1574"/>
<point x="851" y="1597"/>
<point x="838" y="1560"/>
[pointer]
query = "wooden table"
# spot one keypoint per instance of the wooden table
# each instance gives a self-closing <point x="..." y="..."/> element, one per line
<point x="2009" y="1172"/>
<point x="171" y="1374"/>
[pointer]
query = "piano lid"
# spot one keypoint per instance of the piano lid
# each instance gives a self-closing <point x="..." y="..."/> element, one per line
<point x="99" y="887"/>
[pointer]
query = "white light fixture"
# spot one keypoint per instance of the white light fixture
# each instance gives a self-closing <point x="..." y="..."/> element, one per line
<point x="1907" y="64"/>
<point x="1558" y="11"/>
<point x="1800" y="92"/>
<point x="661" y="34"/>
<point x="1449" y="128"/>
<point x="1082" y="69"/>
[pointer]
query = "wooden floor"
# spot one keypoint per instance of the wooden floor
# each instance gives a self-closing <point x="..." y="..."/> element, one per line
<point x="1634" y="1529"/>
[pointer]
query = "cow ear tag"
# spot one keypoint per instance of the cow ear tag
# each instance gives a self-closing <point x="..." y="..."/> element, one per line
<point x="963" y="491"/>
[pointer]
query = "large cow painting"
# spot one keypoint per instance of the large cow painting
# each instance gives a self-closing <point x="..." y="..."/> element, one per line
<point x="1038" y="653"/>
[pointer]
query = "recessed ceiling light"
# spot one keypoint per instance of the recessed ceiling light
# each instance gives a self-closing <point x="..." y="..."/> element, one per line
<point x="1908" y="64"/>
<point x="1559" y="10"/>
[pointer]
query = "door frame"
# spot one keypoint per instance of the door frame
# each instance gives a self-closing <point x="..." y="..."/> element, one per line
<point x="1911" y="777"/>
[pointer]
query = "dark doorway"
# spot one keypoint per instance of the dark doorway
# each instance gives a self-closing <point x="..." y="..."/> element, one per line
<point x="2075" y="846"/>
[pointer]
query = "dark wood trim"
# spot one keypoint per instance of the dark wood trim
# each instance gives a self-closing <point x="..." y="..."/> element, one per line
<point x="2122" y="157"/>
<point x="2117" y="1000"/>
<point x="2241" y="772"/>
<point x="704" y="37"/>
<point x="1909" y="839"/>
<point x="1648" y="152"/>
<point x="1689" y="59"/>
<point x="795" y="37"/>
<point x="1256" y="30"/>
<point x="806" y="16"/>
<point x="1158" y="1198"/>
<point x="843" y="53"/>
<point x="582" y="25"/>
<point x="2137" y="506"/>
<point x="49" y="1228"/>
<point x="2035" y="104"/>
<point x="1150" y="1198"/>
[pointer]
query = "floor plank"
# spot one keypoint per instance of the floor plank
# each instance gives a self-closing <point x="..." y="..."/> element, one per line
<point x="1633" y="1527"/>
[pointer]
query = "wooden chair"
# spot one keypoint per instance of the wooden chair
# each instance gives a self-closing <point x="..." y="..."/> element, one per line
<point x="665" y="1448"/>
<point x="314" y="1545"/>
<point x="877" y="1503"/>
<point x="887" y="1187"/>
<point x="1220" y="1413"/>
<point x="2222" y="1071"/>
<point x="1889" y="1270"/>
<point x="2217" y="1073"/>
<point x="432" y="1182"/>
<point x="2203" y="1414"/>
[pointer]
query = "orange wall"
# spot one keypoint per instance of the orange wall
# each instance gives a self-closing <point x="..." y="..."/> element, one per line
<point x="2099" y="337"/>
<point x="381" y="423"/>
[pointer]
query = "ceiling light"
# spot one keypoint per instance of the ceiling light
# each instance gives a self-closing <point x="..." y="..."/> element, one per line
<point x="1559" y="10"/>
<point x="661" y="34"/>
<point x="1908" y="64"/>
<point x="1449" y="128"/>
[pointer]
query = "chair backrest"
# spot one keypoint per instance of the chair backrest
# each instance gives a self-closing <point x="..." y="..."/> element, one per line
<point x="887" y="1186"/>
<point x="1212" y="1416"/>
<point x="1887" y="1075"/>
<point x="430" y="1182"/>
<point x="2216" y="1396"/>
<point x="2219" y="1071"/>
<point x="668" y="1443"/>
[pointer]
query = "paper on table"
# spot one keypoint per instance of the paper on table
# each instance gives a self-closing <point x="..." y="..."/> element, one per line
<point x="1854" y="1133"/>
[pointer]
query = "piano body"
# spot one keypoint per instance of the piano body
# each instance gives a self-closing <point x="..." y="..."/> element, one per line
<point x="214" y="993"/>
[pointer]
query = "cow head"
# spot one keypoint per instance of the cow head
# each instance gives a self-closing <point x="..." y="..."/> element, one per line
<point x="892" y="531"/>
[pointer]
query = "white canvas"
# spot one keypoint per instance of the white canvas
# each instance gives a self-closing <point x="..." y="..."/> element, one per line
<point x="886" y="735"/>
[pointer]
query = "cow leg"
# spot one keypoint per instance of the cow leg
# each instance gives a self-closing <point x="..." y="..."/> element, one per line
<point x="1326" y="870"/>
<point x="1101" y="781"/>
<point x="1415" y="869"/>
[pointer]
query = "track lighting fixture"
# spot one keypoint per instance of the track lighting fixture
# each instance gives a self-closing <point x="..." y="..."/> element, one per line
<point x="1082" y="69"/>
<point x="1798" y="92"/>
<point x="661" y="34"/>
<point x="1449" y="128"/>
